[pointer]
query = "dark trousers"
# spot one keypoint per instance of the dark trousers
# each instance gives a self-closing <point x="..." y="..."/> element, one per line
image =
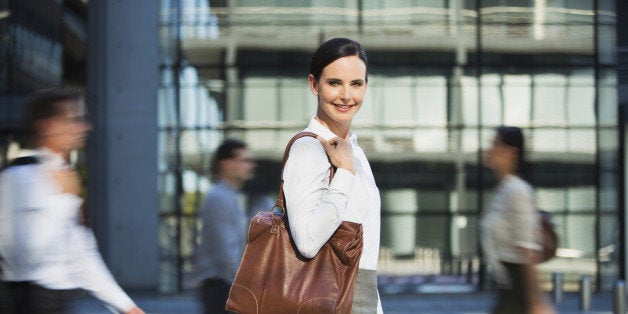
<point x="24" y="297"/>
<point x="214" y="294"/>
<point x="515" y="299"/>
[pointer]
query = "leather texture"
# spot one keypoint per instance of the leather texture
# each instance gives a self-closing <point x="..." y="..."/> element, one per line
<point x="274" y="277"/>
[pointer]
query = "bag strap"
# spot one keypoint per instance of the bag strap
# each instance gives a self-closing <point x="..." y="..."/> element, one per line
<point x="280" y="195"/>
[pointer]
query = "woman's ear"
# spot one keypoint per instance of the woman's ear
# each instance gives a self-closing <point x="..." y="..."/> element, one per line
<point x="312" y="81"/>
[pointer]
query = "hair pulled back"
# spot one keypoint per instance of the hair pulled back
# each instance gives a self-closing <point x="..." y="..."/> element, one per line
<point x="333" y="50"/>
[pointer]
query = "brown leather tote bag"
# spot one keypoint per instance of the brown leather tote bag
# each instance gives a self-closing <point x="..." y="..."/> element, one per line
<point x="274" y="277"/>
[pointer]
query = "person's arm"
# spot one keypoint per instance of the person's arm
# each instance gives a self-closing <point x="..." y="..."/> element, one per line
<point x="94" y="276"/>
<point x="526" y="232"/>
<point x="314" y="205"/>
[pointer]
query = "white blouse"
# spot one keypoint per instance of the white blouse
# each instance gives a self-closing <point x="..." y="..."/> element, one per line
<point x="511" y="222"/>
<point x="316" y="208"/>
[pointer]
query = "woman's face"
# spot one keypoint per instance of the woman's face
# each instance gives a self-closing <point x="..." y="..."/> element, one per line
<point x="499" y="155"/>
<point x="340" y="89"/>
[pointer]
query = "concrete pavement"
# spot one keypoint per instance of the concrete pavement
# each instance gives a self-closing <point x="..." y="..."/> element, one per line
<point x="425" y="303"/>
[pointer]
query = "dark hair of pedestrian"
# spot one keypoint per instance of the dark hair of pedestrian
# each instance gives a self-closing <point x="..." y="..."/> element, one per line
<point x="226" y="150"/>
<point x="333" y="50"/>
<point x="44" y="104"/>
<point x="513" y="137"/>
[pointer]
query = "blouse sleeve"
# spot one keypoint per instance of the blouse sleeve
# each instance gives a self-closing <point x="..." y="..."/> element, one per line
<point x="314" y="205"/>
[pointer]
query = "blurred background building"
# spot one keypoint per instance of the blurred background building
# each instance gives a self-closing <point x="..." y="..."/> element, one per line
<point x="167" y="81"/>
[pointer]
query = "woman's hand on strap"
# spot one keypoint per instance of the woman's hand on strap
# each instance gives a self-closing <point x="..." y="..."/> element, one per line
<point x="339" y="152"/>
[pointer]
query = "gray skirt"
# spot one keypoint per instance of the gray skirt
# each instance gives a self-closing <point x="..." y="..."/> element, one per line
<point x="365" y="295"/>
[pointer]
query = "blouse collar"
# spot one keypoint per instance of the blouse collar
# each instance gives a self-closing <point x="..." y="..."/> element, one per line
<point x="316" y="127"/>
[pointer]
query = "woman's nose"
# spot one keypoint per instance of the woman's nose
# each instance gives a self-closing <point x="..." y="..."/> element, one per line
<point x="346" y="93"/>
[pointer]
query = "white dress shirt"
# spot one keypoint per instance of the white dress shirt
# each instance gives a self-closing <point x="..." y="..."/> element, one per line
<point x="41" y="239"/>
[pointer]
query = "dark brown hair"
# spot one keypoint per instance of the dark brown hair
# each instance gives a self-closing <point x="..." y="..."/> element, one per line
<point x="226" y="150"/>
<point x="513" y="137"/>
<point x="44" y="104"/>
<point x="333" y="50"/>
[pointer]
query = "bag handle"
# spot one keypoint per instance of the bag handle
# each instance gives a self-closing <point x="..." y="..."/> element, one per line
<point x="280" y="195"/>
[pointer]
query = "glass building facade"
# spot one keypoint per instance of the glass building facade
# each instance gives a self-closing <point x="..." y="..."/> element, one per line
<point x="443" y="74"/>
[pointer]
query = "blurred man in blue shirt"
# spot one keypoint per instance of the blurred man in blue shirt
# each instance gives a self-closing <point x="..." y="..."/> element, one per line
<point x="224" y="222"/>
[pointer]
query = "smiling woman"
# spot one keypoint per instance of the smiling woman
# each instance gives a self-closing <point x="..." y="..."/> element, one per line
<point x="316" y="206"/>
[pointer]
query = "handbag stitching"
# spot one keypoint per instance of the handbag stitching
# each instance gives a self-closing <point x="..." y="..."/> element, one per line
<point x="303" y="304"/>
<point x="252" y="294"/>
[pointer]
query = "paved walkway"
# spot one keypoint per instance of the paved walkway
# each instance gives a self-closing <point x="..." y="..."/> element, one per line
<point x="426" y="303"/>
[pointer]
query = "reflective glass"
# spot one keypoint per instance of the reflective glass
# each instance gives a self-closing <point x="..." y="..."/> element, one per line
<point x="427" y="115"/>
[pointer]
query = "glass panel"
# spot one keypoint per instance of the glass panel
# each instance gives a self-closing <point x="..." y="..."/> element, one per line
<point x="432" y="233"/>
<point x="400" y="206"/>
<point x="198" y="108"/>
<point x="470" y="142"/>
<point x="470" y="101"/>
<point x="607" y="44"/>
<point x="197" y="147"/>
<point x="492" y="101"/>
<point x="192" y="196"/>
<point x="581" y="141"/>
<point x="609" y="252"/>
<point x="580" y="99"/>
<point x="549" y="140"/>
<point x="166" y="151"/>
<point x="581" y="198"/>
<point x="608" y="192"/>
<point x="430" y="100"/>
<point x="608" y="148"/>
<point x="167" y="235"/>
<point x="293" y="95"/>
<point x="607" y="11"/>
<point x="432" y="201"/>
<point x="167" y="193"/>
<point x="549" y="99"/>
<point x="467" y="230"/>
<point x="607" y="97"/>
<point x="575" y="233"/>
<point x="551" y="199"/>
<point x="264" y="140"/>
<point x="517" y="100"/>
<point x="168" y="275"/>
<point x="260" y="99"/>
<point x="188" y="234"/>
<point x="167" y="114"/>
<point x="398" y="96"/>
<point x="197" y="20"/>
<point x="431" y="140"/>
